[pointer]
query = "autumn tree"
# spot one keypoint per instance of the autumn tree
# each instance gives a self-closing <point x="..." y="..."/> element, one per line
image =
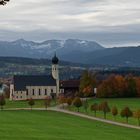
<point x="137" y="81"/>
<point x="137" y="115"/>
<point x="105" y="108"/>
<point x="87" y="83"/>
<point x="62" y="99"/>
<point x="47" y="102"/>
<point x="2" y="101"/>
<point x="69" y="101"/>
<point x="77" y="103"/>
<point x="131" y="86"/>
<point x="126" y="113"/>
<point x="94" y="108"/>
<point x="31" y="102"/>
<point x="114" y="111"/>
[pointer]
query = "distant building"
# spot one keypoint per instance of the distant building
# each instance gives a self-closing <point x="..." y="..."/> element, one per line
<point x="70" y="87"/>
<point x="25" y="87"/>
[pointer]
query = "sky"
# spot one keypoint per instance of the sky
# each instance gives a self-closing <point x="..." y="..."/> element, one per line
<point x="112" y="23"/>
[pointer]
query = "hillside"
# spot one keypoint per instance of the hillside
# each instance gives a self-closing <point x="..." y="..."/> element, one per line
<point x="121" y="56"/>
<point x="23" y="48"/>
<point x="71" y="50"/>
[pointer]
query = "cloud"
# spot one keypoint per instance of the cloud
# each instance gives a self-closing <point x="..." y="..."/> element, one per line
<point x="71" y="17"/>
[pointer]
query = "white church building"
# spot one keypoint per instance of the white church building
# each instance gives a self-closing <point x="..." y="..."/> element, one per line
<point x="25" y="87"/>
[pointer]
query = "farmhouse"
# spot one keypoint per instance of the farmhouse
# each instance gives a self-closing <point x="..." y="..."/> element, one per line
<point x="25" y="87"/>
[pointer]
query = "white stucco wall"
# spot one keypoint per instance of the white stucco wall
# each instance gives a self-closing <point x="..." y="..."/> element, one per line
<point x="24" y="95"/>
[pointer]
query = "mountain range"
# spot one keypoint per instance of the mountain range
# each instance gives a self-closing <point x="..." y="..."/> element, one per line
<point x="73" y="50"/>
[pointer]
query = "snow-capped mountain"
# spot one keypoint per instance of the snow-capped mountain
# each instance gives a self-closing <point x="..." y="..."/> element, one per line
<point x="47" y="48"/>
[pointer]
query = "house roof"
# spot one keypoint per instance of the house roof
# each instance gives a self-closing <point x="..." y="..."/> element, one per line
<point x="70" y="84"/>
<point x="21" y="81"/>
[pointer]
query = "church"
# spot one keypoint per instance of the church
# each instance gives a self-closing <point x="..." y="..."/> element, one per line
<point x="25" y="87"/>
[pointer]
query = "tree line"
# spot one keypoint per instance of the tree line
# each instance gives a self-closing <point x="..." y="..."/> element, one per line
<point x="110" y="87"/>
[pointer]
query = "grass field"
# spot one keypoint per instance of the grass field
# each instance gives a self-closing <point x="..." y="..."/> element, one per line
<point x="43" y="125"/>
<point x="133" y="103"/>
<point x="24" y="104"/>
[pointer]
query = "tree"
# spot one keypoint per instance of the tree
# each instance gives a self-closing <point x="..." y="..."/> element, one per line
<point x="94" y="108"/>
<point x="87" y="83"/>
<point x="69" y="101"/>
<point x="31" y="102"/>
<point x="3" y="2"/>
<point x="126" y="112"/>
<point x="2" y="101"/>
<point x="62" y="100"/>
<point x="131" y="86"/>
<point x="47" y="102"/>
<point x="53" y="95"/>
<point x="85" y="105"/>
<point x="114" y="112"/>
<point x="137" y="115"/>
<point x="105" y="108"/>
<point x="77" y="102"/>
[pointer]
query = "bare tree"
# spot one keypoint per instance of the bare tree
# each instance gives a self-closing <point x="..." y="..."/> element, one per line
<point x="3" y="2"/>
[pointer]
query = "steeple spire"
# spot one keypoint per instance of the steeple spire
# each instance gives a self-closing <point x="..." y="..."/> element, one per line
<point x="55" y="59"/>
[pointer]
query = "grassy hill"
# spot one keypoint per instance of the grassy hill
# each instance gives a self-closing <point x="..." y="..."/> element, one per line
<point x="42" y="125"/>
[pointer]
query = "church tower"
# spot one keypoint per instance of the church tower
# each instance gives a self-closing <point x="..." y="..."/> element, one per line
<point x="55" y="72"/>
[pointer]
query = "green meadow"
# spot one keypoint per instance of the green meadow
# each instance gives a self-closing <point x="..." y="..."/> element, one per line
<point x="120" y="103"/>
<point x="47" y="125"/>
<point x="133" y="103"/>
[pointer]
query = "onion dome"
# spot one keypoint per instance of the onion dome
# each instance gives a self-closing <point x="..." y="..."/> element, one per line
<point x="55" y="60"/>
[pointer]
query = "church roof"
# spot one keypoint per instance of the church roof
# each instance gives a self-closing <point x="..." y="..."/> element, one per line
<point x="21" y="81"/>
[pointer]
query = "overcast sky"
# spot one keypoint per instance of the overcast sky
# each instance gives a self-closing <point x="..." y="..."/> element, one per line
<point x="109" y="22"/>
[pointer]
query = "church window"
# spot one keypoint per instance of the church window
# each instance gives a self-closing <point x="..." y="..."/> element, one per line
<point x="27" y="92"/>
<point x="45" y="91"/>
<point x="51" y="90"/>
<point x="39" y="92"/>
<point x="33" y="92"/>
